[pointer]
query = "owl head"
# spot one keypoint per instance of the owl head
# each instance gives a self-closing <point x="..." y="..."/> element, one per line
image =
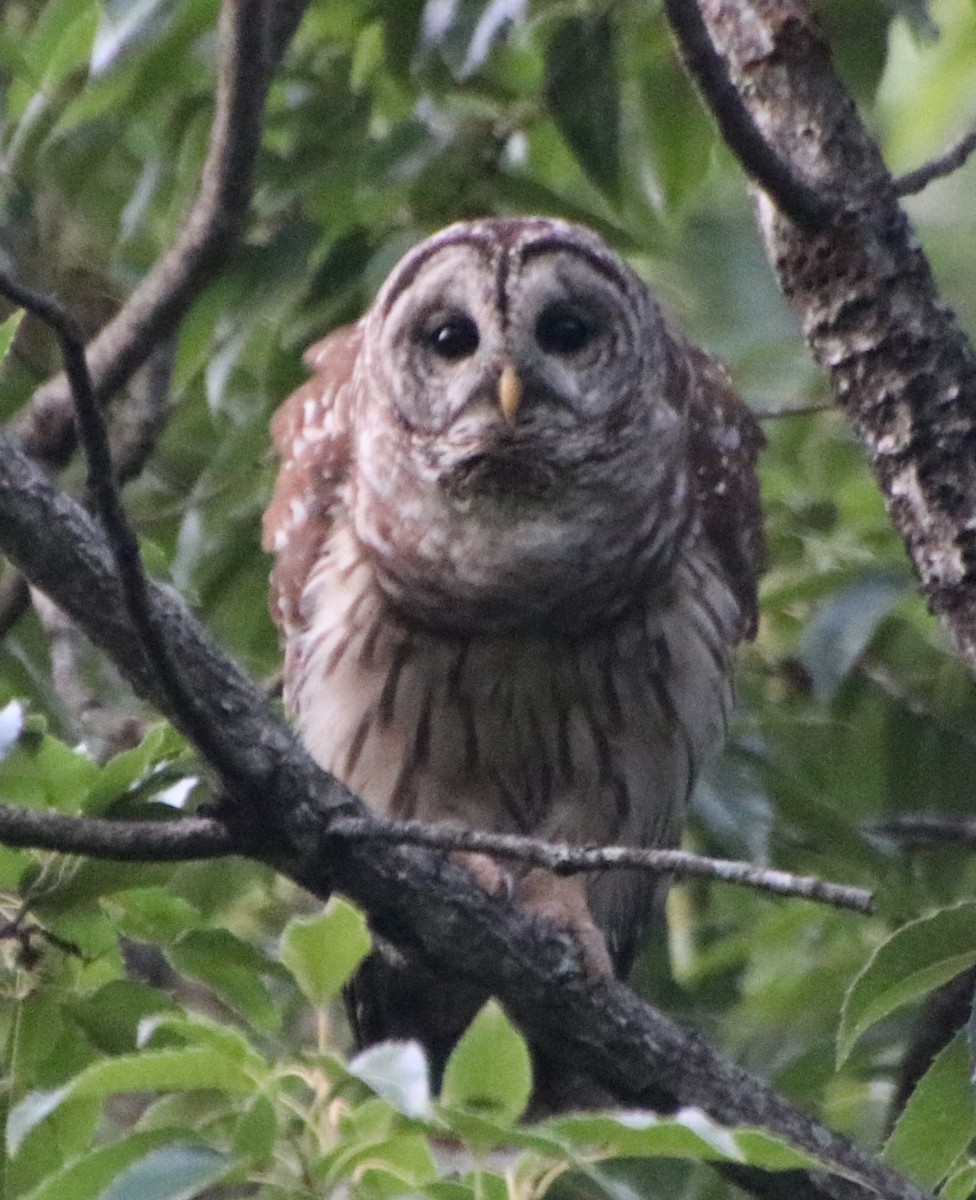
<point x="520" y="429"/>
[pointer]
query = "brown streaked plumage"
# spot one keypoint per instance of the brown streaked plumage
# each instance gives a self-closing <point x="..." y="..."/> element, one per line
<point x="516" y="536"/>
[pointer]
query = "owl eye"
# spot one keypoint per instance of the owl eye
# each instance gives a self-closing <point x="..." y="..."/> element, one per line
<point x="560" y="329"/>
<point x="453" y="338"/>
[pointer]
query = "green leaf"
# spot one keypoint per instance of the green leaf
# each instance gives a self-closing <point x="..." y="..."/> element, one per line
<point x="126" y="770"/>
<point x="233" y="968"/>
<point x="87" y="1177"/>
<point x="939" y="1120"/>
<point x="30" y="1112"/>
<point x="8" y="330"/>
<point x="171" y="1173"/>
<point x="919" y="17"/>
<point x="323" y="951"/>
<point x="41" y="771"/>
<point x="912" y="962"/>
<point x="680" y="138"/>
<point x="255" y="1133"/>
<point x="961" y="1184"/>
<point x="583" y="95"/>
<point x="160" y="1070"/>
<point x="198" y="1030"/>
<point x="154" y="915"/>
<point x="397" y="1071"/>
<point x="111" y="1017"/>
<point x="843" y="627"/>
<point x="691" y="1134"/>
<point x="489" y="1070"/>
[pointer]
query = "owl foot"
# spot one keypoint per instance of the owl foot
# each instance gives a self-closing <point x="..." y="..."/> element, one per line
<point x="561" y="900"/>
<point x="489" y="874"/>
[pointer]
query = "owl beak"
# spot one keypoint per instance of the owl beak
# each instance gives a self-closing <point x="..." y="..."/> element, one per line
<point x="509" y="392"/>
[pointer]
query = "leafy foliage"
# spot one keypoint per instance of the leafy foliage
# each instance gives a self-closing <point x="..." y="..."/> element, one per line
<point x="172" y="1030"/>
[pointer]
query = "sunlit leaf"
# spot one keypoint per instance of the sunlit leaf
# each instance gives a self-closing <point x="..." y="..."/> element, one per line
<point x="397" y="1071"/>
<point x="489" y="1070"/>
<point x="8" y="331"/>
<point x="323" y="951"/>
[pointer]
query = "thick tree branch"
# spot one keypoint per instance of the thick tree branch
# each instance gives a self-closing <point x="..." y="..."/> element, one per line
<point x="902" y="369"/>
<point x="281" y="811"/>
<point x="253" y="35"/>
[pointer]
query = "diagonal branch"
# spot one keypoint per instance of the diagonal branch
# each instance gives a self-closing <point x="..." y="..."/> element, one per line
<point x="806" y="206"/>
<point x="902" y="368"/>
<point x="253" y="35"/>
<point x="122" y="541"/>
<point x="914" y="181"/>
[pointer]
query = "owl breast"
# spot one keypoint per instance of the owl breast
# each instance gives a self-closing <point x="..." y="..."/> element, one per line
<point x="588" y="739"/>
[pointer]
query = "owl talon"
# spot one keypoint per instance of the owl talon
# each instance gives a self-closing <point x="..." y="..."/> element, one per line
<point x="561" y="900"/>
<point x="490" y="876"/>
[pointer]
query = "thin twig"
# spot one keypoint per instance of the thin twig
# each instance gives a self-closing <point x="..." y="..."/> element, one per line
<point x="896" y="690"/>
<point x="563" y="859"/>
<point x="937" y="168"/>
<point x="128" y="841"/>
<point x="921" y="831"/>
<point x="108" y="505"/>
<point x="207" y="236"/>
<point x="793" y="196"/>
<point x="134" y="434"/>
<point x="798" y="410"/>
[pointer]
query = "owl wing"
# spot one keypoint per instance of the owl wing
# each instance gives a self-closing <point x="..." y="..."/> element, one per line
<point x="312" y="433"/>
<point x="724" y="443"/>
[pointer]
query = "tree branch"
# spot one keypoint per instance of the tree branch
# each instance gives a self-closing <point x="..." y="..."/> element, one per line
<point x="937" y="168"/>
<point x="928" y="831"/>
<point x="902" y="369"/>
<point x="808" y="207"/>
<point x="253" y="35"/>
<point x="281" y="812"/>
<point x="130" y="841"/>
<point x="571" y="860"/>
<point x="122" y="541"/>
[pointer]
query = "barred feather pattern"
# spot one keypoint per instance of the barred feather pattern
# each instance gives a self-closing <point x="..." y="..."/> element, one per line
<point x="597" y="740"/>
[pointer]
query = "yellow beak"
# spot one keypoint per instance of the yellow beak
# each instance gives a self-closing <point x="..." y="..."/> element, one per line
<point x="509" y="392"/>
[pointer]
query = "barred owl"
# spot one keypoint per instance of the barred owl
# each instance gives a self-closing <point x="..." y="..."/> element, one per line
<point x="516" y="538"/>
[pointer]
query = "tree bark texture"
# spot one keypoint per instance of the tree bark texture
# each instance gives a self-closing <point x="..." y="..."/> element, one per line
<point x="902" y="369"/>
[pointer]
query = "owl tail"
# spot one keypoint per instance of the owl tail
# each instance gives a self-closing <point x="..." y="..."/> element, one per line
<point x="392" y="998"/>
